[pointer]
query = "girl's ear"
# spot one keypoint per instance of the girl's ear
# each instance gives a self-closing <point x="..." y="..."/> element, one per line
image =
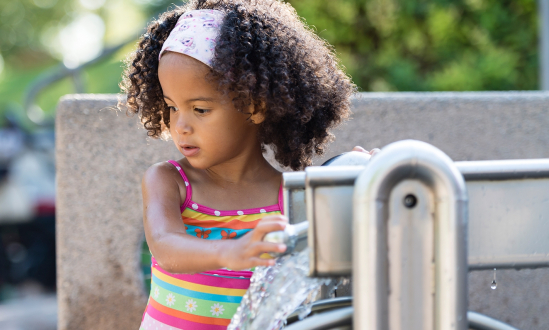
<point x="257" y="113"/>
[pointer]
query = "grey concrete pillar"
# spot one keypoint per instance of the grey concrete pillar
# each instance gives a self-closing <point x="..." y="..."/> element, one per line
<point x="101" y="157"/>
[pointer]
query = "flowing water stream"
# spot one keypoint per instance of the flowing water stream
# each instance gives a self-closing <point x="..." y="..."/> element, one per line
<point x="276" y="292"/>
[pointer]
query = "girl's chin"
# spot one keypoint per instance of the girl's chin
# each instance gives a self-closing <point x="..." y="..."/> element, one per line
<point x="203" y="163"/>
<point x="198" y="164"/>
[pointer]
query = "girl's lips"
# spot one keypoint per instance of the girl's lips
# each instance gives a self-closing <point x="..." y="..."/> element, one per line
<point x="189" y="151"/>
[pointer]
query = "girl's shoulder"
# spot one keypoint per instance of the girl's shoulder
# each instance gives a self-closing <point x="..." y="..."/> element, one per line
<point x="163" y="177"/>
<point x="163" y="170"/>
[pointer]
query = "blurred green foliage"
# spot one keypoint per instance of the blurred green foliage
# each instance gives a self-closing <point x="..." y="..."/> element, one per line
<point x="145" y="264"/>
<point x="23" y="22"/>
<point x="30" y="46"/>
<point x="386" y="45"/>
<point x="438" y="45"/>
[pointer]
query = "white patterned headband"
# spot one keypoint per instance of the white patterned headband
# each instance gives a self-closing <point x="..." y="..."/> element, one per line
<point x="195" y="35"/>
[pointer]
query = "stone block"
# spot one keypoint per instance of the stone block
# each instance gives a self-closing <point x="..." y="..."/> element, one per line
<point x="101" y="155"/>
<point x="466" y="126"/>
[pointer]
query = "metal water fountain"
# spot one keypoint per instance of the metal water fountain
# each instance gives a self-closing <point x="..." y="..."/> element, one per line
<point x="408" y="226"/>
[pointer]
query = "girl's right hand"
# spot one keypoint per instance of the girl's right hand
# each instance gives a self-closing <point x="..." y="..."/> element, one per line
<point x="372" y="152"/>
<point x="244" y="253"/>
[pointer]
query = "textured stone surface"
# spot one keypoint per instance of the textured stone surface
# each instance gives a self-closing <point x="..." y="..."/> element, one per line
<point x="102" y="154"/>
<point x="101" y="157"/>
<point x="466" y="126"/>
<point x="520" y="298"/>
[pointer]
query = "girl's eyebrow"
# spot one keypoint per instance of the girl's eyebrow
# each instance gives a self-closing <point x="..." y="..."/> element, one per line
<point x="204" y="99"/>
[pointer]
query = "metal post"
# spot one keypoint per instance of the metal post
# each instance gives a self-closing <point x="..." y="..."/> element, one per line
<point x="409" y="243"/>
<point x="543" y="10"/>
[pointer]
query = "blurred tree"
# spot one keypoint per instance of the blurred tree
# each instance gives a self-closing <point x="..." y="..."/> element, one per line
<point x="22" y="22"/>
<point x="386" y="45"/>
<point x="420" y="45"/>
<point x="29" y="25"/>
<point x="35" y="35"/>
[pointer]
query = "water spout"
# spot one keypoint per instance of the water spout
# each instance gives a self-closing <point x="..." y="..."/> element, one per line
<point x="290" y="236"/>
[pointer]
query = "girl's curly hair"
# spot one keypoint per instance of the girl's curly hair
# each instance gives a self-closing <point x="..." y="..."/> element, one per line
<point x="265" y="54"/>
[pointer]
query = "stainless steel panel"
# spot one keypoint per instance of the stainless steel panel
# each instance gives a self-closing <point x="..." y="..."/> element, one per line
<point x="508" y="223"/>
<point x="411" y="257"/>
<point x="329" y="192"/>
<point x="508" y="213"/>
<point x="293" y="191"/>
<point x="333" y="230"/>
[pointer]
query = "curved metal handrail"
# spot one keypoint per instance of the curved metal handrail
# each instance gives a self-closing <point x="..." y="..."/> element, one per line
<point x="325" y="321"/>
<point x="322" y="306"/>
<point x="479" y="321"/>
<point x="344" y="317"/>
<point x="396" y="163"/>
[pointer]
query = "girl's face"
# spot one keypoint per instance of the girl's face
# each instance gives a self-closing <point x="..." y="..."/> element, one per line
<point x="204" y="125"/>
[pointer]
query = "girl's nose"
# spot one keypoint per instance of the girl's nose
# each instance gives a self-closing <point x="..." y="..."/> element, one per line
<point x="182" y="126"/>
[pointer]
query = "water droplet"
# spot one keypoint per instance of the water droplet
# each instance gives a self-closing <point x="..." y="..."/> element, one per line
<point x="494" y="285"/>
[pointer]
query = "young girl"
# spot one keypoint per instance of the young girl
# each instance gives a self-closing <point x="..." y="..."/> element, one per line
<point x="224" y="79"/>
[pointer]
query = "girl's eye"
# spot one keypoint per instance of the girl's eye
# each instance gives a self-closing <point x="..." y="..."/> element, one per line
<point x="201" y="111"/>
<point x="172" y="109"/>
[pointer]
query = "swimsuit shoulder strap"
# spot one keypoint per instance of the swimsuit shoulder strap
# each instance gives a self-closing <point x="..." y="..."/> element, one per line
<point x="281" y="200"/>
<point x="186" y="180"/>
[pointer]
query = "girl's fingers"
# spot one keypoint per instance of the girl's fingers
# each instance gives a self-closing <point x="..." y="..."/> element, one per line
<point x="263" y="228"/>
<point x="266" y="247"/>
<point x="371" y="152"/>
<point x="374" y="151"/>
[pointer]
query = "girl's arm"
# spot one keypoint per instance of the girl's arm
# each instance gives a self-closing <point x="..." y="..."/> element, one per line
<point x="176" y="251"/>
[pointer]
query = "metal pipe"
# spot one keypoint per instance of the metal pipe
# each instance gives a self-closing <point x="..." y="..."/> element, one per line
<point x="293" y="193"/>
<point x="543" y="16"/>
<point x="291" y="236"/>
<point x="344" y="317"/>
<point x="322" y="306"/>
<point x="479" y="321"/>
<point x="512" y="169"/>
<point x="325" y="321"/>
<point x="379" y="305"/>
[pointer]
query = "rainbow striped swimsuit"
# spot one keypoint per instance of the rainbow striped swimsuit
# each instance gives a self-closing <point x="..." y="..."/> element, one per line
<point x="206" y="300"/>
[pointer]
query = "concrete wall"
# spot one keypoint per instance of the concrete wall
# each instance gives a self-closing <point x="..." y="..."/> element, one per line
<point x="102" y="154"/>
<point x="101" y="157"/>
